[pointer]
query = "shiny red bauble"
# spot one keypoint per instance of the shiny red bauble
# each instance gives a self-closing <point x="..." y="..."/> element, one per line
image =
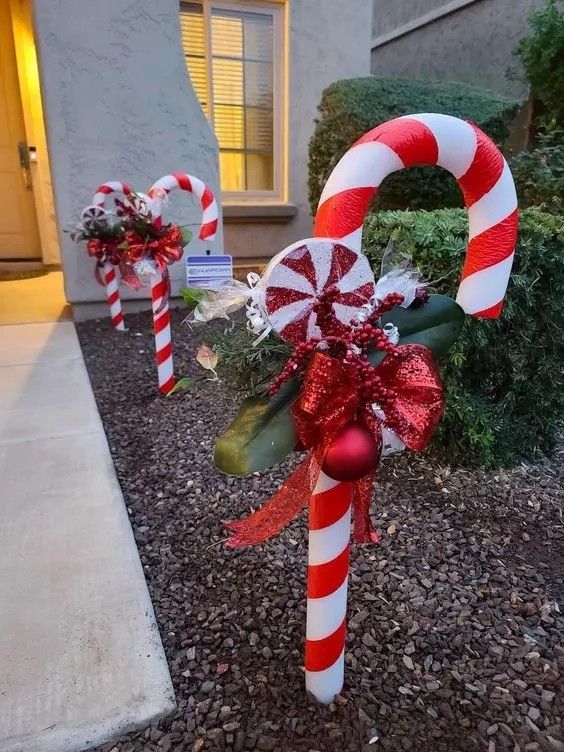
<point x="354" y="453"/>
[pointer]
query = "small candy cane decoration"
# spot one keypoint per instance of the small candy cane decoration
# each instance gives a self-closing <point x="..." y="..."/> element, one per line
<point x="161" y="313"/>
<point x="108" y="273"/>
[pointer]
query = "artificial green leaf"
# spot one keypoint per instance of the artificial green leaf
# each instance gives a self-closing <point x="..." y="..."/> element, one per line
<point x="261" y="434"/>
<point x="186" y="235"/>
<point x="184" y="383"/>
<point x="192" y="296"/>
<point x="436" y="325"/>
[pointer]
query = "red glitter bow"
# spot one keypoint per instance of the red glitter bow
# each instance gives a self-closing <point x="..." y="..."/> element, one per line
<point x="162" y="250"/>
<point x="329" y="399"/>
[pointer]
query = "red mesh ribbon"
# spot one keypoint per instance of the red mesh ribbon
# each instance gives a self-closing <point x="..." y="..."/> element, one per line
<point x="125" y="252"/>
<point x="104" y="251"/>
<point x="162" y="250"/>
<point x="329" y="399"/>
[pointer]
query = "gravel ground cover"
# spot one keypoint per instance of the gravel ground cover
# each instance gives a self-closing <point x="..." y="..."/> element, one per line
<point x="455" y="633"/>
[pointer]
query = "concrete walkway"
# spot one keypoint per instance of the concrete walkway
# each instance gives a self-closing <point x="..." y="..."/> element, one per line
<point x="81" y="659"/>
<point x="24" y="301"/>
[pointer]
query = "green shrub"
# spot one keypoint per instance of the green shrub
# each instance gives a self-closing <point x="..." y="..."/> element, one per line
<point x="352" y="107"/>
<point x="542" y="55"/>
<point x="539" y="174"/>
<point x="503" y="378"/>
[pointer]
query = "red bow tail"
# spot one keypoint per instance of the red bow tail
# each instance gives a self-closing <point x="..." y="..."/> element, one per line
<point x="277" y="513"/>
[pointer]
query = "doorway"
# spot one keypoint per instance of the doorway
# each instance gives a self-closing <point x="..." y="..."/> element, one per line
<point x="19" y="232"/>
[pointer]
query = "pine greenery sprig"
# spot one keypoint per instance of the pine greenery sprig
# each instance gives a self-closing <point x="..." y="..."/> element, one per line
<point x="248" y="366"/>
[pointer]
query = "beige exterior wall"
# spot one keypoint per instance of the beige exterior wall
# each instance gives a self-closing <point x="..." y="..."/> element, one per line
<point x="456" y="40"/>
<point x="326" y="40"/>
<point x="118" y="106"/>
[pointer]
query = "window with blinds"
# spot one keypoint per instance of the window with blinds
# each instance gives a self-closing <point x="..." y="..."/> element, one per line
<point x="230" y="55"/>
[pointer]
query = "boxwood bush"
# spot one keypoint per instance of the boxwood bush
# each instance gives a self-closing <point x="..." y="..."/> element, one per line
<point x="539" y="173"/>
<point x="503" y="378"/>
<point x="350" y="108"/>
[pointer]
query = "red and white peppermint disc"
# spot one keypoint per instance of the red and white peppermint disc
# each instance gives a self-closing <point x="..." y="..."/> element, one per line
<point x="295" y="278"/>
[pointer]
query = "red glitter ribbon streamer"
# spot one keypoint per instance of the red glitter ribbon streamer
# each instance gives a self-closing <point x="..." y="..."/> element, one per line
<point x="329" y="399"/>
<point x="104" y="251"/>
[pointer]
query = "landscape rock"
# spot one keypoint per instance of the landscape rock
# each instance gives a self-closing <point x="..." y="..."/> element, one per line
<point x="453" y="633"/>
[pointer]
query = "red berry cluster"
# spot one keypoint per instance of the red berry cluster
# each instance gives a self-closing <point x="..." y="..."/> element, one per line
<point x="325" y="318"/>
<point x="302" y="353"/>
<point x="348" y="343"/>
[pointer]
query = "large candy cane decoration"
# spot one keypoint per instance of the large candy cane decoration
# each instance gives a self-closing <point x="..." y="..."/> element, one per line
<point x="489" y="194"/>
<point x="481" y="172"/>
<point x="208" y="229"/>
<point x="108" y="273"/>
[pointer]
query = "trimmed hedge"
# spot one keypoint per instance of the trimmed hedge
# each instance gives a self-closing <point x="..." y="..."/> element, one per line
<point x="503" y="378"/>
<point x="539" y="174"/>
<point x="350" y="108"/>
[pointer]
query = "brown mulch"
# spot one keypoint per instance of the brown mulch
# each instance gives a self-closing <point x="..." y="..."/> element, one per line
<point x="455" y="632"/>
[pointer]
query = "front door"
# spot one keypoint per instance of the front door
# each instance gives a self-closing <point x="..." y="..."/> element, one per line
<point x="19" y="236"/>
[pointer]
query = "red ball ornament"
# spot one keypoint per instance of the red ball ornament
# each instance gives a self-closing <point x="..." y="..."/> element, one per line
<point x="353" y="454"/>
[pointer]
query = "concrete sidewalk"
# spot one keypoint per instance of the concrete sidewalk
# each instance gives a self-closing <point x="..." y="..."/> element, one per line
<point x="81" y="659"/>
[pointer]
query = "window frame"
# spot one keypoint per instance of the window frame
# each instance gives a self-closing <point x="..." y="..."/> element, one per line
<point x="276" y="9"/>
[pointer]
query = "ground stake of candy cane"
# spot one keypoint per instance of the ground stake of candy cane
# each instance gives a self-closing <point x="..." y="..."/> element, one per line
<point x="108" y="274"/>
<point x="208" y="229"/>
<point x="327" y="581"/>
<point x="489" y="194"/>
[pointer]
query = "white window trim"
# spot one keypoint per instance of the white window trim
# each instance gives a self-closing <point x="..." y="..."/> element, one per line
<point x="277" y="9"/>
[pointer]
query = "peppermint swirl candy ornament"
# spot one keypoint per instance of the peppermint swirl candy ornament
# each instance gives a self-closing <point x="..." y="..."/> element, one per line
<point x="91" y="215"/>
<point x="296" y="277"/>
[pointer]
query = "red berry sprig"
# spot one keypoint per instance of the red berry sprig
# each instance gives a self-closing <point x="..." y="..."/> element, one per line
<point x="325" y="317"/>
<point x="350" y="343"/>
<point x="294" y="365"/>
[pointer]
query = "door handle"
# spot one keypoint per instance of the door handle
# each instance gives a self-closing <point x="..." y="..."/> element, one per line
<point x="23" y="152"/>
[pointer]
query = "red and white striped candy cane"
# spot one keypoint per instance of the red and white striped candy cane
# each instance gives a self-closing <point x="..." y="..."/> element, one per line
<point x="292" y="282"/>
<point x="327" y="580"/>
<point x="208" y="229"/>
<point x="489" y="194"/>
<point x="109" y="277"/>
<point x="481" y="172"/>
<point x="108" y="273"/>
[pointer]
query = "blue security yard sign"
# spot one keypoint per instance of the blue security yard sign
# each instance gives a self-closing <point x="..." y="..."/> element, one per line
<point x="208" y="272"/>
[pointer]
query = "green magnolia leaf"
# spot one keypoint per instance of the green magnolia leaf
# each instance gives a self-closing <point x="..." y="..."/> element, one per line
<point x="184" y="383"/>
<point x="186" y="235"/>
<point x="261" y="434"/>
<point x="192" y="296"/>
<point x="436" y="325"/>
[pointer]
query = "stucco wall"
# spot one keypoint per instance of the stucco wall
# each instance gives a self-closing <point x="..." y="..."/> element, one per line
<point x="388" y="15"/>
<point x="118" y="105"/>
<point x="473" y="45"/>
<point x="327" y="40"/>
